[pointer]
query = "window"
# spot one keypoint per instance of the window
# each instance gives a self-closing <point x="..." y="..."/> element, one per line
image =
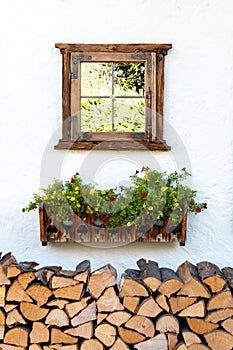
<point x="113" y="93"/>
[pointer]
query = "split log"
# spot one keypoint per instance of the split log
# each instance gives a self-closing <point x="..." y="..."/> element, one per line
<point x="101" y="279"/>
<point x="63" y="347"/>
<point x="194" y="310"/>
<point x="32" y="312"/>
<point x="17" y="336"/>
<point x="26" y="278"/>
<point x="171" y="283"/>
<point x="39" y="293"/>
<point x="73" y="309"/>
<point x="39" y="333"/>
<point x="86" y="315"/>
<point x="219" y="315"/>
<point x="35" y="347"/>
<point x="211" y="275"/>
<point x="159" y="342"/>
<point x="190" y="337"/>
<point x="109" y="301"/>
<point x="228" y="274"/>
<point x="162" y="302"/>
<point x="57" y="317"/>
<point x="221" y="300"/>
<point x="3" y="277"/>
<point x="119" y="345"/>
<point x="181" y="346"/>
<point x="91" y="344"/>
<point x="200" y="326"/>
<point x="198" y="347"/>
<point x="149" y="308"/>
<point x="172" y="340"/>
<point x="131" y="303"/>
<point x="14" y="270"/>
<point x="192" y="285"/>
<point x="60" y="303"/>
<point x="219" y="339"/>
<point x="72" y="292"/>
<point x="117" y="318"/>
<point x="2" y="295"/>
<point x="14" y="318"/>
<point x="142" y="325"/>
<point x="45" y="273"/>
<point x="179" y="303"/>
<point x="11" y="347"/>
<point x="150" y="273"/>
<point x="167" y="323"/>
<point x="9" y="307"/>
<point x="57" y="281"/>
<point x="228" y="325"/>
<point x="84" y="331"/>
<point x="59" y="337"/>
<point x="2" y="324"/>
<point x="17" y="293"/>
<point x="82" y="271"/>
<point x="106" y="333"/>
<point x="129" y="336"/>
<point x="132" y="286"/>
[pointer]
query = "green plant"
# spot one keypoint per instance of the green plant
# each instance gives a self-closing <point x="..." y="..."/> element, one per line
<point x="152" y="196"/>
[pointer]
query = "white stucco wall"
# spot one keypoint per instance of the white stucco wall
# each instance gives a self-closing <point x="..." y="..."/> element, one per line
<point x="198" y="114"/>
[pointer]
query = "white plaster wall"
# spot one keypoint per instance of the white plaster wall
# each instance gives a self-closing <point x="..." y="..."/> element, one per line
<point x="198" y="113"/>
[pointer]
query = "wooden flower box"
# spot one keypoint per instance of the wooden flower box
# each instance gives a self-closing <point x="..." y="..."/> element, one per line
<point x="89" y="229"/>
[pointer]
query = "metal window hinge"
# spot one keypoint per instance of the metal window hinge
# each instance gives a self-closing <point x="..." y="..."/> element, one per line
<point x="144" y="57"/>
<point x="74" y="74"/>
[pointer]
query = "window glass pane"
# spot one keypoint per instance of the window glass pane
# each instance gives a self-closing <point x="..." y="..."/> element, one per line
<point x="129" y="114"/>
<point x="96" y="114"/>
<point x="129" y="78"/>
<point x="96" y="79"/>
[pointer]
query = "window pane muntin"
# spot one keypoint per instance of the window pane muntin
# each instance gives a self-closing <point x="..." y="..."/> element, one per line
<point x="124" y="96"/>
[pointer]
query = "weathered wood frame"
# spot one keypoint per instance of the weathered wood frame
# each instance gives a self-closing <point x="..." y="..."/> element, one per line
<point x="104" y="235"/>
<point x="153" y="137"/>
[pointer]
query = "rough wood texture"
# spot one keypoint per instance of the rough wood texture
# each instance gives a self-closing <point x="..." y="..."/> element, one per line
<point x="167" y="323"/>
<point x="92" y="344"/>
<point x="219" y="339"/>
<point x="211" y="275"/>
<point x="192" y="285"/>
<point x="228" y="274"/>
<point x="53" y="309"/>
<point x="101" y="279"/>
<point x="106" y="333"/>
<point x="159" y="342"/>
<point x="200" y="326"/>
<point x="171" y="282"/>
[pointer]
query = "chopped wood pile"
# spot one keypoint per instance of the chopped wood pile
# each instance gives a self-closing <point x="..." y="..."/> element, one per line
<point x="153" y="308"/>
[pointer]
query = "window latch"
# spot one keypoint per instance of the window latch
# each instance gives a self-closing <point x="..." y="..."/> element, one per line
<point x="148" y="97"/>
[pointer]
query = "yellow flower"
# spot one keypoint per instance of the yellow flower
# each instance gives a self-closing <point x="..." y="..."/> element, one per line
<point x="72" y="199"/>
<point x="92" y="192"/>
<point x="45" y="198"/>
<point x="96" y="209"/>
<point x="76" y="188"/>
<point x="129" y="223"/>
<point x="98" y="204"/>
<point x="103" y="192"/>
<point x="145" y="177"/>
<point x="78" y="205"/>
<point x="64" y="192"/>
<point x="144" y="205"/>
<point x="163" y="189"/>
<point x="137" y="186"/>
<point x="150" y="208"/>
<point x="175" y="199"/>
<point x="67" y="197"/>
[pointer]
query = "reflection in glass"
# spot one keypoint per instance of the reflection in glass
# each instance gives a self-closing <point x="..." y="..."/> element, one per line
<point x="112" y="97"/>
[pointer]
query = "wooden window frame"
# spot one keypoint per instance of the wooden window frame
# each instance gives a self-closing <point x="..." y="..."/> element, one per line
<point x="153" y="57"/>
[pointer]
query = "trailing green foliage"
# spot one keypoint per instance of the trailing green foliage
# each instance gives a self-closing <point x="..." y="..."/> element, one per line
<point x="152" y="196"/>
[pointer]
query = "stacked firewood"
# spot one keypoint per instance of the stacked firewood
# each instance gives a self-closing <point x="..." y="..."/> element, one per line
<point x="153" y="308"/>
